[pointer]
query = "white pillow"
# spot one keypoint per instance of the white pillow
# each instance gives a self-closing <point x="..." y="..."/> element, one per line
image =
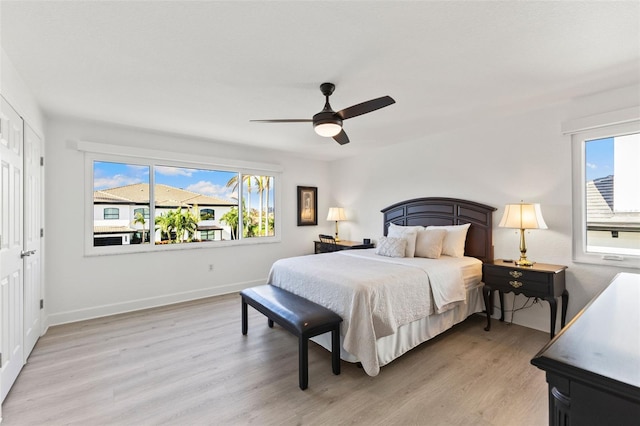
<point x="391" y="247"/>
<point x="409" y="233"/>
<point x="429" y="243"/>
<point x="453" y="244"/>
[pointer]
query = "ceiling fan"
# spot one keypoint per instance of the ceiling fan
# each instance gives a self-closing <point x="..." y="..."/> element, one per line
<point x="328" y="123"/>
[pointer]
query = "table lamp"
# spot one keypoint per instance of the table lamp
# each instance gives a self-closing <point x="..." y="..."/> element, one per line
<point x="523" y="216"/>
<point x="337" y="214"/>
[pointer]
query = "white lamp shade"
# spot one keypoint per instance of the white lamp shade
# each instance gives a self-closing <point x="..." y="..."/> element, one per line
<point x="328" y="130"/>
<point x="522" y="216"/>
<point x="336" y="213"/>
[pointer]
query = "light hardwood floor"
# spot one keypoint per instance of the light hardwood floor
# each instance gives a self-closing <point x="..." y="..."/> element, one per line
<point x="188" y="364"/>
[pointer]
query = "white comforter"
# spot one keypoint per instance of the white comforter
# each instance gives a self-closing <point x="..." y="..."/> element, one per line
<point x="373" y="294"/>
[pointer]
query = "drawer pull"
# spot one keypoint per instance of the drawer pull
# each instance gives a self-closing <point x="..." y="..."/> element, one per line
<point x="515" y="284"/>
<point x="515" y="274"/>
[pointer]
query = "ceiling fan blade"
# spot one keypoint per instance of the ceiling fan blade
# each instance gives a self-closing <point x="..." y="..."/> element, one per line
<point x="341" y="138"/>
<point x="285" y="120"/>
<point x="366" y="107"/>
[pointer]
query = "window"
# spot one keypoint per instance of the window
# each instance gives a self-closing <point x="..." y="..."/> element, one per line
<point x="207" y="214"/>
<point x="606" y="200"/>
<point x="119" y="189"/>
<point x="144" y="212"/>
<point x="191" y="205"/>
<point x="110" y="214"/>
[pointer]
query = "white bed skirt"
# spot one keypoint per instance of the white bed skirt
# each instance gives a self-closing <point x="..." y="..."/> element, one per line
<point x="414" y="333"/>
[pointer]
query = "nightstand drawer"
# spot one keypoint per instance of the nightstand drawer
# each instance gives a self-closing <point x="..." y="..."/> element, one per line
<point x="534" y="284"/>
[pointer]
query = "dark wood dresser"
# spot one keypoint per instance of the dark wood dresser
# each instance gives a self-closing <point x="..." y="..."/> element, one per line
<point x="593" y="364"/>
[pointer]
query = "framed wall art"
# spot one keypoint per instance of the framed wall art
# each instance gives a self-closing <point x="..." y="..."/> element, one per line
<point x="307" y="206"/>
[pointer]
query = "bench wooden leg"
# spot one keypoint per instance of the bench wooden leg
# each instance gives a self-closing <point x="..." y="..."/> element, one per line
<point x="303" y="362"/>
<point x="335" y="350"/>
<point x="244" y="317"/>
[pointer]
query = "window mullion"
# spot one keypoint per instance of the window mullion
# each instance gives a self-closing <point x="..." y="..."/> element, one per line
<point x="240" y="206"/>
<point x="152" y="204"/>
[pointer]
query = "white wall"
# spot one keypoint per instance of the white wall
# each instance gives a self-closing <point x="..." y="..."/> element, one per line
<point x="16" y="92"/>
<point x="80" y="287"/>
<point x="522" y="157"/>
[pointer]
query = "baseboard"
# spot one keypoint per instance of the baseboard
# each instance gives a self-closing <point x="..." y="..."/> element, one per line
<point x="151" y="302"/>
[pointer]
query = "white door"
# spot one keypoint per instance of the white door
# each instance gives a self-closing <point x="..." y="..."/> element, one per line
<point x="32" y="226"/>
<point x="11" y="235"/>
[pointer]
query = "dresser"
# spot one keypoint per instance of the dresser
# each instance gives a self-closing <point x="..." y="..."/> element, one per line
<point x="541" y="280"/>
<point x="321" y="247"/>
<point x="593" y="365"/>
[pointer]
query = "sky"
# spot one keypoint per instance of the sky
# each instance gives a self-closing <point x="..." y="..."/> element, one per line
<point x="206" y="182"/>
<point x="599" y="158"/>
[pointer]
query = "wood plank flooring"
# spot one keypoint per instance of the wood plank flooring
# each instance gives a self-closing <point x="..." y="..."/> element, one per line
<point x="188" y="364"/>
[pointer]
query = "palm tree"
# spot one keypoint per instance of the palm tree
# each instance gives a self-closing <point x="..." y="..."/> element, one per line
<point x="233" y="184"/>
<point x="164" y="225"/>
<point x="179" y="223"/>
<point x="138" y="217"/>
<point x="190" y="223"/>
<point x="231" y="219"/>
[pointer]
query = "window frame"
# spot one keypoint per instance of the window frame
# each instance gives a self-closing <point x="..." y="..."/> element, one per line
<point x="127" y="155"/>
<point x="579" y="137"/>
<point x="112" y="215"/>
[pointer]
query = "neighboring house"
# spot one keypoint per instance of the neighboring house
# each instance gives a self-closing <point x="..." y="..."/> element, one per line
<point x="613" y="210"/>
<point x="114" y="211"/>
<point x="610" y="229"/>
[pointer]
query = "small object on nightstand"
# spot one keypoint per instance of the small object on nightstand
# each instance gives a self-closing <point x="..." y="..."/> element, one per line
<point x="507" y="260"/>
<point x="366" y="241"/>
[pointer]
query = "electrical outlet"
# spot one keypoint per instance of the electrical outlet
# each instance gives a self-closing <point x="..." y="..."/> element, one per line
<point x="210" y="267"/>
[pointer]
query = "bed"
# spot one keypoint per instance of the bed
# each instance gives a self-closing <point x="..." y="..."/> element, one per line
<point x="391" y="302"/>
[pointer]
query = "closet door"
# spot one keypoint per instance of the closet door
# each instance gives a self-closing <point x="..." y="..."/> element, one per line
<point x="32" y="240"/>
<point x="11" y="246"/>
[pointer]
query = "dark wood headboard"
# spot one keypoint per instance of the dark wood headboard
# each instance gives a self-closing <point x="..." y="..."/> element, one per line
<point x="448" y="211"/>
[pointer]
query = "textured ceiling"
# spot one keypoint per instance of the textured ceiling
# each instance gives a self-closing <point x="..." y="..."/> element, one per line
<point x="206" y="68"/>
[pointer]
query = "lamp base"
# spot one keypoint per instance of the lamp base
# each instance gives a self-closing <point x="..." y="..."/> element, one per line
<point x="524" y="262"/>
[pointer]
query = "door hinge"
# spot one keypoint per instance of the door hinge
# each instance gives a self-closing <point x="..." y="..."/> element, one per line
<point x="0" y="359"/>
<point x="41" y="303"/>
<point x="42" y="161"/>
<point x="41" y="232"/>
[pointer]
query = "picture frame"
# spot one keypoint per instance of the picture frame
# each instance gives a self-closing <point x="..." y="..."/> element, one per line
<point x="307" y="206"/>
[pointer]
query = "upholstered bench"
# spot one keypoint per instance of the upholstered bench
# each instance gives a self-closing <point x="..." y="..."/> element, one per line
<point x="299" y="316"/>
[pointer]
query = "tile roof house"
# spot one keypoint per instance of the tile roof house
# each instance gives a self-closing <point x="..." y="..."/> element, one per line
<point x="115" y="209"/>
<point x="606" y="225"/>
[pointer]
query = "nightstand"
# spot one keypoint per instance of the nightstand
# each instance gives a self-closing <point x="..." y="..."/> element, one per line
<point x="541" y="280"/>
<point x="321" y="247"/>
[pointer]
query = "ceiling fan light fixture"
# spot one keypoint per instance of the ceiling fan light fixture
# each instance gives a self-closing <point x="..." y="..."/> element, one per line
<point x="328" y="130"/>
<point x="327" y="123"/>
